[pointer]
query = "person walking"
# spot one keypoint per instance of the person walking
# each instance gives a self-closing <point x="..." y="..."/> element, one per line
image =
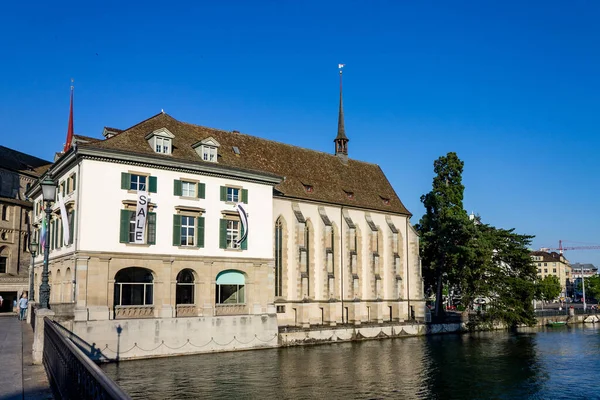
<point x="22" y="307"/>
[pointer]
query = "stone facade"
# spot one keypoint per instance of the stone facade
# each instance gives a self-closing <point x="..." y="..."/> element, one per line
<point x="17" y="174"/>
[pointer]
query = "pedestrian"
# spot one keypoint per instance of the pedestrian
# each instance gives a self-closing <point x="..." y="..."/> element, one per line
<point x="22" y="306"/>
<point x="1" y="302"/>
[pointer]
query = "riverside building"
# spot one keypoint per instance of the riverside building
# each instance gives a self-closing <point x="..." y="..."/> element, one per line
<point x="237" y="237"/>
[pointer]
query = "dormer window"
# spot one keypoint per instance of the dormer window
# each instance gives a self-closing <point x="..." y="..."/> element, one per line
<point x="207" y="149"/>
<point x="209" y="153"/>
<point x="308" y="188"/>
<point x="163" y="145"/>
<point x="385" y="200"/>
<point x="161" y="141"/>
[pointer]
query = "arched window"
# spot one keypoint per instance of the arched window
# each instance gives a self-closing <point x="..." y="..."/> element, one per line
<point x="230" y="288"/>
<point x="184" y="293"/>
<point x="134" y="287"/>
<point x="278" y="258"/>
<point x="4" y="259"/>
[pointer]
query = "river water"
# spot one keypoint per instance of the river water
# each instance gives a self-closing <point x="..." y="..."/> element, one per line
<point x="540" y="363"/>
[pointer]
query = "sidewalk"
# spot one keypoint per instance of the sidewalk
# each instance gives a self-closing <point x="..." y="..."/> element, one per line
<point x="19" y="378"/>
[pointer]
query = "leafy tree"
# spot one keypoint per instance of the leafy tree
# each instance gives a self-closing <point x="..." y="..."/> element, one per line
<point x="548" y="288"/>
<point x="592" y="287"/>
<point x="499" y="268"/>
<point x="443" y="228"/>
<point x="474" y="259"/>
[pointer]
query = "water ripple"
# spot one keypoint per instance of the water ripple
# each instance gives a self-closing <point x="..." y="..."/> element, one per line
<point x="532" y="364"/>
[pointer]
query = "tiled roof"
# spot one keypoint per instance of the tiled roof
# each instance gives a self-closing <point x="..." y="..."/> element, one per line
<point x="81" y="138"/>
<point x="16" y="161"/>
<point x="548" y="257"/>
<point x="328" y="176"/>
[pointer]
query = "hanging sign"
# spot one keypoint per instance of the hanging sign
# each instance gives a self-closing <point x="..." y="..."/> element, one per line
<point x="140" y="217"/>
<point x="244" y="219"/>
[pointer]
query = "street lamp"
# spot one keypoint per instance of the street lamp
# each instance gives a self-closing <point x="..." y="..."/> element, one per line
<point x="48" y="195"/>
<point x="33" y="249"/>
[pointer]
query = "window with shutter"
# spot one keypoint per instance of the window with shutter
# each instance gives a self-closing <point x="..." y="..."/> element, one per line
<point x="223" y="193"/>
<point x="245" y="196"/>
<point x="200" y="241"/>
<point x="151" y="230"/>
<point x="223" y="234"/>
<point x="177" y="187"/>
<point x="176" y="230"/>
<point x="71" y="226"/>
<point x="201" y="191"/>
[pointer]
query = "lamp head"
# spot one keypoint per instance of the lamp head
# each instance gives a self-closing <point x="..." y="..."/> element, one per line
<point x="48" y="188"/>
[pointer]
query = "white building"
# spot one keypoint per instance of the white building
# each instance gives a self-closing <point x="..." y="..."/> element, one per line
<point x="328" y="240"/>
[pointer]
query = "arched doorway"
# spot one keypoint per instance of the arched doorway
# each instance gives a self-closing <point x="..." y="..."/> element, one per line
<point x="230" y="293"/>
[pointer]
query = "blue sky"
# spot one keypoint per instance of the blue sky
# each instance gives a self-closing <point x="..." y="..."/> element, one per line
<point x="512" y="88"/>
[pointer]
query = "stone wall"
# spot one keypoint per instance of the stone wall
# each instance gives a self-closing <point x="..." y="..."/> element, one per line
<point x="149" y="338"/>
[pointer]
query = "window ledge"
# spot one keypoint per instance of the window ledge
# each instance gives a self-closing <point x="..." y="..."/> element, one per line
<point x="190" y="198"/>
<point x="138" y="244"/>
<point x="194" y="247"/>
<point x="236" y="250"/>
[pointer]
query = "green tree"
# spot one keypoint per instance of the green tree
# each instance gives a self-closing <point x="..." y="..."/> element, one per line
<point x="474" y="259"/>
<point x="443" y="227"/>
<point x="592" y="287"/>
<point x="499" y="268"/>
<point x="548" y="288"/>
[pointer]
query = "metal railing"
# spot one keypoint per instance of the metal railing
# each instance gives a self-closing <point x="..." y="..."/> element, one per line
<point x="71" y="373"/>
<point x="565" y="312"/>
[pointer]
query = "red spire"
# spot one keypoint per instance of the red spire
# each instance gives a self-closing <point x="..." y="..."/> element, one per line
<point x="70" y="129"/>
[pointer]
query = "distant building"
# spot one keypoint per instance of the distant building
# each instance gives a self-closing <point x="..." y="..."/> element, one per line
<point x="588" y="270"/>
<point x="18" y="172"/>
<point x="552" y="263"/>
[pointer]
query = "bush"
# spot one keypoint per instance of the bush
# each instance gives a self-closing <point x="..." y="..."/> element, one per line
<point x="460" y="307"/>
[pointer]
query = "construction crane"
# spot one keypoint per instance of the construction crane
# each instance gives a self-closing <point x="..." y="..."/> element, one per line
<point x="561" y="249"/>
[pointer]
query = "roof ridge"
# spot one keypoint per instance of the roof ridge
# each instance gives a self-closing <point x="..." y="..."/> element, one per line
<point x="270" y="140"/>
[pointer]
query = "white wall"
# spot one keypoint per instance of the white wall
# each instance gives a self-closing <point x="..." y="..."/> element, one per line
<point x="102" y="197"/>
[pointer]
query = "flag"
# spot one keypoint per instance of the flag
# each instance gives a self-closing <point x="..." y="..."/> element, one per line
<point x="244" y="218"/>
<point x="340" y="66"/>
<point x="65" y="220"/>
<point x="43" y="234"/>
<point x="70" y="128"/>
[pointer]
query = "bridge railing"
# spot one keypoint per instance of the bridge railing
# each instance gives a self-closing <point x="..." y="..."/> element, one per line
<point x="71" y="373"/>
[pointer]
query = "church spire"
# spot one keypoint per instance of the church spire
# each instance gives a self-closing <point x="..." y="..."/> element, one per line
<point x="341" y="141"/>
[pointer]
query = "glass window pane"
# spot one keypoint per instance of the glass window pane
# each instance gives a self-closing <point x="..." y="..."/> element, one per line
<point x="149" y="294"/>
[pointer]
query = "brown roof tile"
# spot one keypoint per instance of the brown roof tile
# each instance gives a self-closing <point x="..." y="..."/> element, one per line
<point x="329" y="177"/>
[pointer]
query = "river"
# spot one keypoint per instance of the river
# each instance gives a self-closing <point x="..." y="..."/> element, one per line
<point x="536" y="363"/>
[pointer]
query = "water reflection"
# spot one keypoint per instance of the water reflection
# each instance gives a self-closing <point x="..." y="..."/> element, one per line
<point x="530" y="364"/>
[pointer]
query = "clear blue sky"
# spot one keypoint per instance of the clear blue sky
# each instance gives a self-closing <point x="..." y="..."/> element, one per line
<point x="512" y="88"/>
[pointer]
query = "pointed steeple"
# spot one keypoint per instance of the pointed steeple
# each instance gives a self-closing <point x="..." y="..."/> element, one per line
<point x="341" y="140"/>
<point x="70" y="132"/>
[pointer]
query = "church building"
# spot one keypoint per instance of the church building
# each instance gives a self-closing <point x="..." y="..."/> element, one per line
<point x="193" y="230"/>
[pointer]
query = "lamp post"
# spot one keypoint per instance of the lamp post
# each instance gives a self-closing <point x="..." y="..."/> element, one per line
<point x="33" y="249"/>
<point x="48" y="195"/>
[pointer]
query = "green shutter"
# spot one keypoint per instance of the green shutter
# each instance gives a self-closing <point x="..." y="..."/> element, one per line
<point x="244" y="244"/>
<point x="61" y="242"/>
<point x="201" y="191"/>
<point x="152" y="185"/>
<point x="74" y="182"/>
<point x="176" y="230"/>
<point x="223" y="233"/>
<point x="200" y="241"/>
<point x="245" y="196"/>
<point x="177" y="187"/>
<point x="223" y="193"/>
<point x="124" y="231"/>
<point x="72" y="225"/>
<point x="125" y="180"/>
<point x="151" y="228"/>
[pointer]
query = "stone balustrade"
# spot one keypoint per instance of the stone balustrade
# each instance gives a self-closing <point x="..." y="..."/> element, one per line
<point x="124" y="312"/>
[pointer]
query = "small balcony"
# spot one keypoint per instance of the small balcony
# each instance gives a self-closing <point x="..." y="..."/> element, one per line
<point x="127" y="312"/>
